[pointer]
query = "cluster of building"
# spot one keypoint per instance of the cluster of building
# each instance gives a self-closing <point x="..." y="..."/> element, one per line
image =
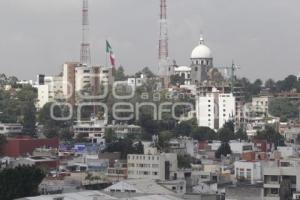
<point x="254" y="170"/>
<point x="187" y="169"/>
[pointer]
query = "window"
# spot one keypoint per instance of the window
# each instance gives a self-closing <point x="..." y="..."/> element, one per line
<point x="196" y="69"/>
<point x="248" y="174"/>
<point x="274" y="191"/>
<point x="274" y="178"/>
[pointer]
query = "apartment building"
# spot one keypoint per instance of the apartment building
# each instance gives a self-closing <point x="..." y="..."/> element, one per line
<point x="260" y="104"/>
<point x="49" y="89"/>
<point x="248" y="171"/>
<point x="154" y="165"/>
<point x="274" y="173"/>
<point x="214" y="109"/>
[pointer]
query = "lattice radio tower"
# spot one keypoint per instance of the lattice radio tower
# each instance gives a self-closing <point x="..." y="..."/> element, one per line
<point x="163" y="40"/>
<point x="85" y="54"/>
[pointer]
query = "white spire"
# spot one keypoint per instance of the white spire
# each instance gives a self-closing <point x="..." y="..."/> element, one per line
<point x="201" y="41"/>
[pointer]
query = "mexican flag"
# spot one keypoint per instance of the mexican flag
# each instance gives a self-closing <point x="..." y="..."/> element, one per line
<point x="111" y="54"/>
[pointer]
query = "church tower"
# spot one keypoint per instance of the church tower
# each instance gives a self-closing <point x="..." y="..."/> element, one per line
<point x="201" y="63"/>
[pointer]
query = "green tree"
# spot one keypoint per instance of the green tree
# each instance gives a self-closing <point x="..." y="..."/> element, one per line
<point x="288" y="84"/>
<point x="139" y="148"/>
<point x="147" y="72"/>
<point x="125" y="146"/>
<point x="271" y="135"/>
<point x="19" y="107"/>
<point x="203" y="133"/>
<point x="251" y="89"/>
<point x="271" y="85"/>
<point x="52" y="127"/>
<point x="225" y="134"/>
<point x="184" y="161"/>
<point x="65" y="135"/>
<point x="224" y="150"/>
<point x="177" y="79"/>
<point x="22" y="181"/>
<point x="2" y="142"/>
<point x="241" y="134"/>
<point x="120" y="74"/>
<point x="29" y="119"/>
<point x="184" y="128"/>
<point x="110" y="136"/>
<point x="164" y="139"/>
<point x="283" y="108"/>
<point x="149" y="125"/>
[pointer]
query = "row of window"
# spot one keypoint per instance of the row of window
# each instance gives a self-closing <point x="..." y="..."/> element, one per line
<point x="241" y="172"/>
<point x="11" y="128"/>
<point x="146" y="173"/>
<point x="142" y="157"/>
<point x="142" y="165"/>
<point x="202" y="62"/>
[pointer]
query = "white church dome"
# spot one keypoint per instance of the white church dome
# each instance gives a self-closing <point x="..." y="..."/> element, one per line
<point x="201" y="51"/>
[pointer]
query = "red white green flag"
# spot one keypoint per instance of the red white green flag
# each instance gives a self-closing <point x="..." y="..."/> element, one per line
<point x="111" y="54"/>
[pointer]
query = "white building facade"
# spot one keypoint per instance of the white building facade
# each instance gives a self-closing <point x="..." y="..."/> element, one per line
<point x="248" y="171"/>
<point x="185" y="72"/>
<point x="152" y="166"/>
<point x="214" y="109"/>
<point x="92" y="77"/>
<point x="49" y="89"/>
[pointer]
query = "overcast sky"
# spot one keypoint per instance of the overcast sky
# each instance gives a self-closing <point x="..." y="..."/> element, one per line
<point x="38" y="36"/>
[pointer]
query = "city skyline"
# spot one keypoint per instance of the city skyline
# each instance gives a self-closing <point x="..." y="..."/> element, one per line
<point x="40" y="37"/>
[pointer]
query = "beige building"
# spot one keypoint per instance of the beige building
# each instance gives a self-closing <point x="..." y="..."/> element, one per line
<point x="154" y="166"/>
<point x="260" y="104"/>
<point x="69" y="81"/>
<point x="276" y="172"/>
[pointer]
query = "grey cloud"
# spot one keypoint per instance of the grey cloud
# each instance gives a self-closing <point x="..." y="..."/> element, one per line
<point x="37" y="36"/>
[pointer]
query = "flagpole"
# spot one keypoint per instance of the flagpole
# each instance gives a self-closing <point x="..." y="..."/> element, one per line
<point x="106" y="62"/>
<point x="106" y="59"/>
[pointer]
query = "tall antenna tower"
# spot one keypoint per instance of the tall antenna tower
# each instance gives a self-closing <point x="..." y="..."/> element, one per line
<point x="85" y="54"/>
<point x="163" y="41"/>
